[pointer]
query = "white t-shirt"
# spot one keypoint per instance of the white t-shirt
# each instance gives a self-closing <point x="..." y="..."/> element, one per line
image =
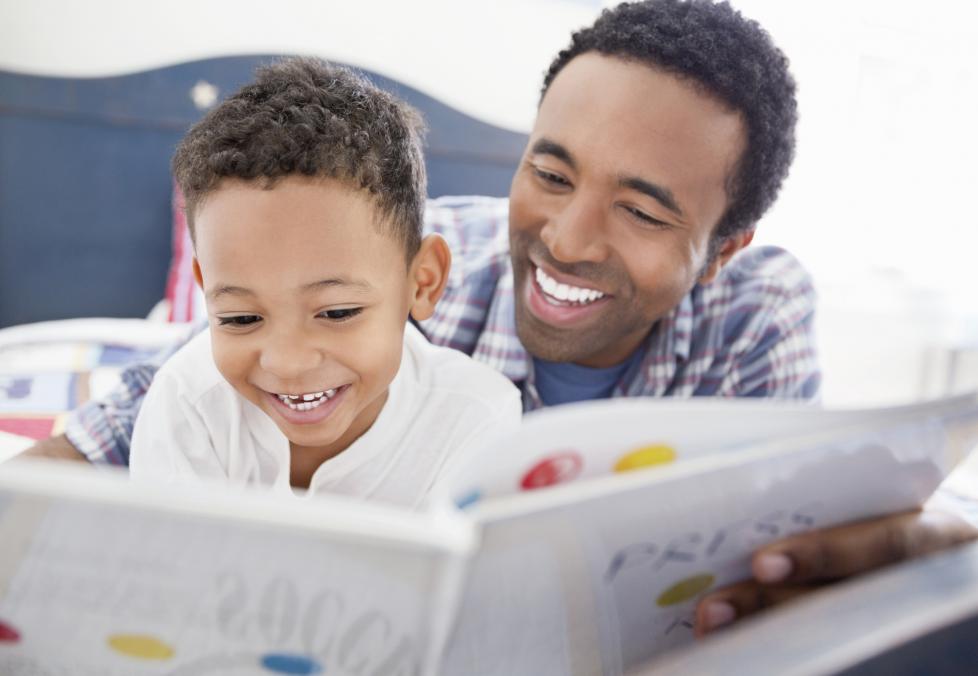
<point x="441" y="405"/>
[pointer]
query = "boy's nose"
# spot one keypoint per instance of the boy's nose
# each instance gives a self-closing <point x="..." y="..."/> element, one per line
<point x="289" y="356"/>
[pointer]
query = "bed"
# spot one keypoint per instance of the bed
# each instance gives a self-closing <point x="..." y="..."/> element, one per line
<point x="89" y="233"/>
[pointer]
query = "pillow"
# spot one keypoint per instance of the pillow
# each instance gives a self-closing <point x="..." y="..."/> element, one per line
<point x="183" y="296"/>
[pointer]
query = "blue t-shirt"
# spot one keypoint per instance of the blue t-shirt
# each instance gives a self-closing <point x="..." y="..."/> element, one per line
<point x="563" y="382"/>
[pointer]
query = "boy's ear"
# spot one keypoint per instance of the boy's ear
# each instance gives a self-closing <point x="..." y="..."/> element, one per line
<point x="199" y="277"/>
<point x="730" y="246"/>
<point x="429" y="275"/>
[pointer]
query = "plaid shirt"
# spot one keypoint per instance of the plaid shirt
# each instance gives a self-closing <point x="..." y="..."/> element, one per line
<point x="747" y="334"/>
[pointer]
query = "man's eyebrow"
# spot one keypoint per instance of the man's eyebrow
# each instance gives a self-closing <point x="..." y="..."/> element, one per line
<point x="545" y="146"/>
<point x="659" y="193"/>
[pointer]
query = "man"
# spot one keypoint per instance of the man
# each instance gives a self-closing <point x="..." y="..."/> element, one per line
<point x="663" y="134"/>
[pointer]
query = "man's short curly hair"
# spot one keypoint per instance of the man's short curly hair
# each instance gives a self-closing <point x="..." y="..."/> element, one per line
<point x="724" y="54"/>
<point x="303" y="116"/>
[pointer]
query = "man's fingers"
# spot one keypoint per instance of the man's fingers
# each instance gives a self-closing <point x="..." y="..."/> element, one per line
<point x="839" y="552"/>
<point x="740" y="600"/>
<point x="56" y="448"/>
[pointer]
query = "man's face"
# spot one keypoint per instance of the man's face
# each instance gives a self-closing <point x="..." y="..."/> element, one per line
<point x="307" y="302"/>
<point x="613" y="205"/>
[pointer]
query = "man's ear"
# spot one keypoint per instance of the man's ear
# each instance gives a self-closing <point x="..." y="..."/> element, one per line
<point x="428" y="275"/>
<point x="197" y="275"/>
<point x="728" y="248"/>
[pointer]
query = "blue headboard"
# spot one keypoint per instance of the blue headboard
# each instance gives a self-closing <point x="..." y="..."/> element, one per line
<point x="85" y="216"/>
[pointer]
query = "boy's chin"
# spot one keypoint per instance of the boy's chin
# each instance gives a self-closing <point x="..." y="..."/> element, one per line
<point x="318" y="442"/>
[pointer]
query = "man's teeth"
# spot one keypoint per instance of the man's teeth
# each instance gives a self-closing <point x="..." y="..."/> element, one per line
<point x="306" y="402"/>
<point x="566" y="292"/>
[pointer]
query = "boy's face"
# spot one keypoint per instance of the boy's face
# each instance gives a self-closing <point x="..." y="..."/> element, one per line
<point x="613" y="206"/>
<point x="307" y="301"/>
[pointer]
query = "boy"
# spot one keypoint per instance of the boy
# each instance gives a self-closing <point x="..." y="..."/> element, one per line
<point x="305" y="192"/>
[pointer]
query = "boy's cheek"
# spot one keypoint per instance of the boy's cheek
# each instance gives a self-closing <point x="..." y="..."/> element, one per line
<point x="231" y="360"/>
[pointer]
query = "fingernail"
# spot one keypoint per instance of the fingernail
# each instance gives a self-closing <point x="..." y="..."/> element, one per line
<point x="718" y="613"/>
<point x="772" y="567"/>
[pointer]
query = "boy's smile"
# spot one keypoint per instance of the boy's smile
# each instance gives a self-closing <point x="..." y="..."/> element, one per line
<point x="305" y="409"/>
<point x="307" y="299"/>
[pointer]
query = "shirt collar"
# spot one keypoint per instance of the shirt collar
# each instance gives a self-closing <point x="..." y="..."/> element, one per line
<point x="681" y="322"/>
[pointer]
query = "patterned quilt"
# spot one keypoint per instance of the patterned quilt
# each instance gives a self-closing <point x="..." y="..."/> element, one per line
<point x="49" y="368"/>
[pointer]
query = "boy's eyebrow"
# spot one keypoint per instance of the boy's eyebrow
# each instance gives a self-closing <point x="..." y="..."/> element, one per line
<point x="231" y="290"/>
<point x="359" y="284"/>
<point x="228" y="290"/>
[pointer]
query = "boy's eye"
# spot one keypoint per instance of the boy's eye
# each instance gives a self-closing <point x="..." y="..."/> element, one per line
<point x="342" y="314"/>
<point x="238" y="320"/>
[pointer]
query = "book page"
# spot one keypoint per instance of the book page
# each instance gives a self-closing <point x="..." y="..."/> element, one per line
<point x="125" y="585"/>
<point x="631" y="553"/>
<point x="576" y="442"/>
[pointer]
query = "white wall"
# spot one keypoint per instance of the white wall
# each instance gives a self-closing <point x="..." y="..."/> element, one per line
<point x="486" y="58"/>
<point x="878" y="204"/>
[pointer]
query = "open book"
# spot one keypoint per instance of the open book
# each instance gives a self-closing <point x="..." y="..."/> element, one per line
<point x="578" y="546"/>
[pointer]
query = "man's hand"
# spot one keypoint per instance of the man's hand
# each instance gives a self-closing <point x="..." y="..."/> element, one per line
<point x="789" y="568"/>
<point x="57" y="448"/>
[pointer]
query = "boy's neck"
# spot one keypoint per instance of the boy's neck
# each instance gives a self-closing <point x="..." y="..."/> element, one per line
<point x="305" y="460"/>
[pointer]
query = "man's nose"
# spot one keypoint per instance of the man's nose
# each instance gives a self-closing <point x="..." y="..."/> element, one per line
<point x="289" y="354"/>
<point x="577" y="232"/>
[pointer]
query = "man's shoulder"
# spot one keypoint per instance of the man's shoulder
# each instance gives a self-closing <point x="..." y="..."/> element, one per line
<point x="479" y="287"/>
<point x="761" y="289"/>
<point x="758" y="282"/>
<point x="476" y="229"/>
<point x="766" y="270"/>
<point x="449" y="210"/>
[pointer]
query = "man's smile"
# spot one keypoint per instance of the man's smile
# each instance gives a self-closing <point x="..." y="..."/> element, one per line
<point x="565" y="293"/>
<point x="558" y="303"/>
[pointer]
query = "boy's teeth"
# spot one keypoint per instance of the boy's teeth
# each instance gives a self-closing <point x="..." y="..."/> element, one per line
<point x="306" y="402"/>
<point x="566" y="292"/>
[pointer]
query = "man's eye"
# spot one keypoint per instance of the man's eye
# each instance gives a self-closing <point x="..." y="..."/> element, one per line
<point x="238" y="320"/>
<point x="550" y="177"/>
<point x="642" y="216"/>
<point x="342" y="314"/>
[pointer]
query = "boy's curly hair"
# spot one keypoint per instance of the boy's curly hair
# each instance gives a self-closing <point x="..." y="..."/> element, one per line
<point x="724" y="54"/>
<point x="304" y="116"/>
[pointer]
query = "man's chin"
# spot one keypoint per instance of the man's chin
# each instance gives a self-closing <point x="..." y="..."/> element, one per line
<point x="550" y="343"/>
<point x="597" y="344"/>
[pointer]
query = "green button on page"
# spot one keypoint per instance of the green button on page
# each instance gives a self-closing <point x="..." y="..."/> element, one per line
<point x="684" y="590"/>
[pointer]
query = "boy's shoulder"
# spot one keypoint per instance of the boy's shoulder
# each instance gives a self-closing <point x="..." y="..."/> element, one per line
<point x="450" y="372"/>
<point x="191" y="370"/>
